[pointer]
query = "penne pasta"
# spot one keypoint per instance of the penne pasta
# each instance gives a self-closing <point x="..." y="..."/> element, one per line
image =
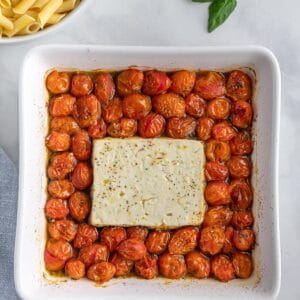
<point x="5" y="22"/>
<point x="1" y="32"/>
<point x="32" y="13"/>
<point x="55" y="18"/>
<point x="23" y="6"/>
<point x="48" y="10"/>
<point x="40" y="4"/>
<point x="18" y="25"/>
<point x="7" y="12"/>
<point x="5" y="3"/>
<point x="30" y="28"/>
<point x="66" y="6"/>
<point x="14" y="2"/>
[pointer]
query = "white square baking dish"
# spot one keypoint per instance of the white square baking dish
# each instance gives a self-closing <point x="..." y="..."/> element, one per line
<point x="30" y="279"/>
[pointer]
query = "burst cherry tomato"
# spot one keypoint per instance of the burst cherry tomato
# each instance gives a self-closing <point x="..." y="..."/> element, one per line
<point x="239" y="167"/>
<point x="157" y="241"/>
<point x="112" y="111"/>
<point x="228" y="244"/>
<point x="129" y="82"/>
<point x="62" y="230"/>
<point x="82" y="85"/>
<point x="75" y="268"/>
<point x="195" y="105"/>
<point x="151" y="126"/>
<point x="219" y="215"/>
<point x="86" y="235"/>
<point x="241" y="144"/>
<point x="172" y="266"/>
<point x="137" y="233"/>
<point x="122" y="128"/>
<point x="98" y="129"/>
<point x="242" y="264"/>
<point x="244" y="239"/>
<point x="64" y="125"/>
<point x="169" y="105"/>
<point x="58" y="82"/>
<point x="112" y="237"/>
<point x="123" y="265"/>
<point x="182" y="82"/>
<point x="146" y="267"/>
<point x="58" y="142"/>
<point x="212" y="239"/>
<point x="156" y="83"/>
<point x="136" y="106"/>
<point x="215" y="171"/>
<point x="218" y="108"/>
<point x="56" y="209"/>
<point x="81" y="145"/>
<point x="241" y="114"/>
<point x="101" y="272"/>
<point x="203" y="128"/>
<point x="217" y="193"/>
<point x="104" y="87"/>
<point x="197" y="264"/>
<point x="132" y="249"/>
<point x="217" y="150"/>
<point x="242" y="219"/>
<point x="180" y="128"/>
<point x="241" y="194"/>
<point x="61" y="106"/>
<point x="223" y="131"/>
<point x="82" y="176"/>
<point x="61" y="188"/>
<point x="93" y="254"/>
<point x="80" y="206"/>
<point x="222" y="268"/>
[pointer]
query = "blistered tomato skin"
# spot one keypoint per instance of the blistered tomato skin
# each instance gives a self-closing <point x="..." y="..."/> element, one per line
<point x="218" y="108"/>
<point x="64" y="125"/>
<point x="228" y="246"/>
<point x="169" y="105"/>
<point x="81" y="145"/>
<point x="137" y="233"/>
<point x="157" y="241"/>
<point x="58" y="142"/>
<point x="241" y="144"/>
<point x="180" y="128"/>
<point x="58" y="82"/>
<point x="223" y="131"/>
<point x="210" y="85"/>
<point x="112" y="111"/>
<point x="222" y="268"/>
<point x="86" y="235"/>
<point x="93" y="254"/>
<point x="212" y="239"/>
<point x="217" y="150"/>
<point x="146" y="267"/>
<point x="182" y="82"/>
<point x="217" y="193"/>
<point x="123" y="265"/>
<point x="101" y="272"/>
<point x="132" y="249"/>
<point x="98" y="129"/>
<point x="242" y="264"/>
<point x="122" y="128"/>
<point x="82" y="85"/>
<point x="244" y="239"/>
<point x="61" y="105"/>
<point x="151" y="126"/>
<point x="215" y="171"/>
<point x="79" y="206"/>
<point x="239" y="167"/>
<point x="203" y="128"/>
<point x="195" y="105"/>
<point x="61" y="188"/>
<point x="104" y="87"/>
<point x="62" y="229"/>
<point x="156" y="83"/>
<point x="75" y="268"/>
<point x="112" y="237"/>
<point x="241" y="114"/>
<point x="197" y="264"/>
<point x="129" y="82"/>
<point x="82" y="176"/>
<point x="172" y="266"/>
<point x="242" y="219"/>
<point x="241" y="194"/>
<point x="136" y="106"/>
<point x="56" y="209"/>
<point x="219" y="215"/>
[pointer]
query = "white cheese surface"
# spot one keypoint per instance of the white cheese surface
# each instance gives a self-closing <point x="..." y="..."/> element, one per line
<point x="151" y="182"/>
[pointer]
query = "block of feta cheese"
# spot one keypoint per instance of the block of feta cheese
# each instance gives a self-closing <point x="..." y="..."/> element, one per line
<point x="158" y="183"/>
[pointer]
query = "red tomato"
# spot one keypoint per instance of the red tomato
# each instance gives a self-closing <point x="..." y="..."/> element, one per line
<point x="242" y="264"/>
<point x="93" y="254"/>
<point x="197" y="264"/>
<point x="146" y="267"/>
<point x="203" y="128"/>
<point x="223" y="131"/>
<point x="112" y="237"/>
<point x="132" y="249"/>
<point x="219" y="215"/>
<point x="86" y="235"/>
<point x="156" y="83"/>
<point x="53" y="263"/>
<point x="82" y="176"/>
<point x="112" y="111"/>
<point x="195" y="105"/>
<point x="241" y="114"/>
<point x="64" y="125"/>
<point x="82" y="85"/>
<point x="80" y="206"/>
<point x="228" y="244"/>
<point x="217" y="150"/>
<point x="104" y="87"/>
<point x="58" y="82"/>
<point x="75" y="268"/>
<point x="241" y="194"/>
<point x="136" y="106"/>
<point x="182" y="82"/>
<point x="56" y="209"/>
<point x="239" y="167"/>
<point x="212" y="239"/>
<point x="61" y="188"/>
<point x="122" y="128"/>
<point x="157" y="241"/>
<point x="137" y="233"/>
<point x="61" y="106"/>
<point x="217" y="193"/>
<point x="123" y="265"/>
<point x="244" y="239"/>
<point x="81" y="145"/>
<point x="169" y="105"/>
<point x="62" y="230"/>
<point x="222" y="268"/>
<point x="218" y="108"/>
<point x="172" y="266"/>
<point x="242" y="219"/>
<point x="215" y="171"/>
<point x="129" y="82"/>
<point x="101" y="272"/>
<point x="58" y="142"/>
<point x="151" y="126"/>
<point x="180" y="128"/>
<point x="241" y="144"/>
<point x="98" y="129"/>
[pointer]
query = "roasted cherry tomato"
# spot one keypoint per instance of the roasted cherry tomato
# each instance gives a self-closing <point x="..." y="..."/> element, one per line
<point x="156" y="83"/>
<point x="75" y="268"/>
<point x="122" y="128"/>
<point x="86" y="110"/>
<point x="239" y="167"/>
<point x="244" y="239"/>
<point x="203" y="128"/>
<point x="61" y="188"/>
<point x="58" y="82"/>
<point x="112" y="111"/>
<point x="137" y="233"/>
<point x="82" y="176"/>
<point x="62" y="230"/>
<point x="180" y="128"/>
<point x="132" y="249"/>
<point x="79" y="205"/>
<point x="222" y="268"/>
<point x="218" y="108"/>
<point x="241" y="194"/>
<point x="104" y="87"/>
<point x="157" y="241"/>
<point x="123" y="265"/>
<point x="223" y="131"/>
<point x="56" y="209"/>
<point x="81" y="85"/>
<point x="98" y="129"/>
<point x="64" y="125"/>
<point x="169" y="105"/>
<point x="151" y="126"/>
<point x="101" y="272"/>
<point x="197" y="264"/>
<point x="217" y="150"/>
<point x="183" y="240"/>
<point x="129" y="82"/>
<point x="136" y="106"/>
<point x="61" y="106"/>
<point x="217" y="193"/>
<point x="146" y="267"/>
<point x="215" y="171"/>
<point x="241" y="114"/>
<point x="228" y="244"/>
<point x="212" y="239"/>
<point x="242" y="219"/>
<point x="81" y="145"/>
<point x="241" y="144"/>
<point x="93" y="254"/>
<point x="112" y="237"/>
<point x="238" y="86"/>
<point x="242" y="264"/>
<point x="58" y="142"/>
<point x="195" y="105"/>
<point x="86" y="235"/>
<point x="171" y="265"/>
<point x="182" y="82"/>
<point x="219" y="215"/>
<point x="210" y="85"/>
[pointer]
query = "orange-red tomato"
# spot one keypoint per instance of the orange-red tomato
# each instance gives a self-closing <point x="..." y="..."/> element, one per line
<point x="203" y="128"/>
<point x="75" y="268"/>
<point x="112" y="111"/>
<point x="180" y="128"/>
<point x="112" y="237"/>
<point x="244" y="239"/>
<point x="239" y="167"/>
<point x="241" y="144"/>
<point x="242" y="219"/>
<point x="56" y="209"/>
<point x="156" y="83"/>
<point x="81" y="85"/>
<point x="123" y="265"/>
<point x="137" y="233"/>
<point x="169" y="105"/>
<point x="219" y="215"/>
<point x="82" y="176"/>
<point x="81" y="145"/>
<point x="222" y="268"/>
<point x="104" y="87"/>
<point x="98" y="129"/>
<point x="210" y="85"/>
<point x="182" y="82"/>
<point x="61" y="165"/>
<point x="79" y="206"/>
<point x="218" y="108"/>
<point x="197" y="264"/>
<point x="93" y="254"/>
<point x="223" y="131"/>
<point x="58" y="82"/>
<point x="238" y="86"/>
<point x="61" y="188"/>
<point x="217" y="193"/>
<point x="157" y="241"/>
<point x="58" y="142"/>
<point x="132" y="249"/>
<point x="228" y="244"/>
<point x="87" y="110"/>
<point x="129" y="82"/>
<point x="242" y="264"/>
<point x="151" y="126"/>
<point x="172" y="266"/>
<point x="62" y="230"/>
<point x="241" y="194"/>
<point x="136" y="106"/>
<point x="215" y="171"/>
<point x="212" y="239"/>
<point x="195" y="105"/>
<point x="64" y="125"/>
<point x="86" y="235"/>
<point x="183" y="240"/>
<point x="122" y="128"/>
<point x="241" y="114"/>
<point x="61" y="106"/>
<point x="146" y="267"/>
<point x="217" y="150"/>
<point x="101" y="272"/>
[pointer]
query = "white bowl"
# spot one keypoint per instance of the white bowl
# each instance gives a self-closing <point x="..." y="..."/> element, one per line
<point x="65" y="21"/>
<point x="30" y="278"/>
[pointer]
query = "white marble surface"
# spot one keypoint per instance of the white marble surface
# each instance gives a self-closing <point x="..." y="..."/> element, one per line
<point x="274" y="24"/>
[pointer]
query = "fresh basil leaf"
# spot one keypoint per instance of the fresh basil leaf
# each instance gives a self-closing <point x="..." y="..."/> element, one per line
<point x="202" y="1"/>
<point x="219" y="11"/>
